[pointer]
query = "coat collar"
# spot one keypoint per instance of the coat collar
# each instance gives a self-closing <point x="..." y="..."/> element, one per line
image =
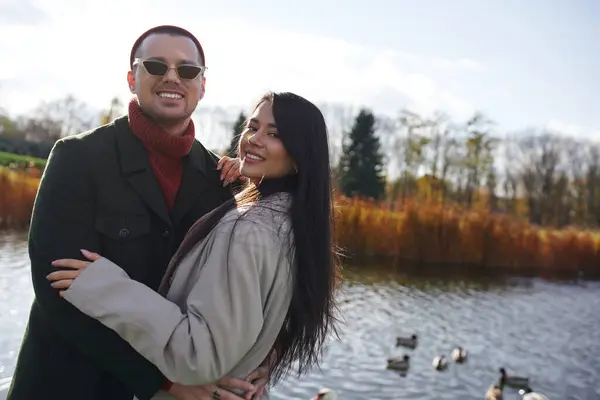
<point x="134" y="156"/>
<point x="136" y="168"/>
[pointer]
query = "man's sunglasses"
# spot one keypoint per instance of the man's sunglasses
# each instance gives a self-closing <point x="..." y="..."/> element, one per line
<point x="160" y="68"/>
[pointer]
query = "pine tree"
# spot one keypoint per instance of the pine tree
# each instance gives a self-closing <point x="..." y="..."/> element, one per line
<point x="361" y="164"/>
<point x="238" y="128"/>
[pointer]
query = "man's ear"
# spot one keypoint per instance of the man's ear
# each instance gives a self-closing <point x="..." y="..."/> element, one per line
<point x="202" y="88"/>
<point x="131" y="81"/>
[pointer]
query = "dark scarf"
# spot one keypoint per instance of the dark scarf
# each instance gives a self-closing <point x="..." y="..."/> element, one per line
<point x="165" y="151"/>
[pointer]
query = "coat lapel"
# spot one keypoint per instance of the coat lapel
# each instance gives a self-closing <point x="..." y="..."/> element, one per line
<point x="136" y="168"/>
<point x="195" y="182"/>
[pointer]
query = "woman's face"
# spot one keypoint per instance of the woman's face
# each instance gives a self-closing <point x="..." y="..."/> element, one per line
<point x="261" y="151"/>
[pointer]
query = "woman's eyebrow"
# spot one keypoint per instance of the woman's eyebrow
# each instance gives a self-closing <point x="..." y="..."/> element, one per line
<point x="270" y="124"/>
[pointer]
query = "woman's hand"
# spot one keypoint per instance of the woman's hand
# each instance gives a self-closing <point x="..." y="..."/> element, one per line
<point x="64" y="278"/>
<point x="230" y="169"/>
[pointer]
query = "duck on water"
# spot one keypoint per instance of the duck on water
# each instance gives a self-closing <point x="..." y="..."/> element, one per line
<point x="459" y="355"/>
<point x="494" y="393"/>
<point x="410" y="342"/>
<point x="399" y="363"/>
<point x="529" y="394"/>
<point x="326" y="394"/>
<point x="513" y="380"/>
<point x="440" y="363"/>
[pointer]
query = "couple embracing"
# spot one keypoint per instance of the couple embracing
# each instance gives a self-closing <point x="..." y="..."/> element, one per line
<point x="153" y="278"/>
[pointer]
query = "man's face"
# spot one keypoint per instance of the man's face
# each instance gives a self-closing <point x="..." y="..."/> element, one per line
<point x="167" y="98"/>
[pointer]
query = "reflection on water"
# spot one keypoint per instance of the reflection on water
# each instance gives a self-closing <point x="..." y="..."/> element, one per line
<point x="15" y="298"/>
<point x="545" y="330"/>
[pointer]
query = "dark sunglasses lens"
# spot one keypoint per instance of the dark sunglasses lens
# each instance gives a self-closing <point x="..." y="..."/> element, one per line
<point x="155" y="67"/>
<point x="188" y="71"/>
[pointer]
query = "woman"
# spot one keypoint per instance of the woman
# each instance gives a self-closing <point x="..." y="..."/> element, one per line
<point x="253" y="278"/>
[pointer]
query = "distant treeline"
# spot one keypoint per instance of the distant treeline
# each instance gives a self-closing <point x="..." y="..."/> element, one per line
<point x="25" y="147"/>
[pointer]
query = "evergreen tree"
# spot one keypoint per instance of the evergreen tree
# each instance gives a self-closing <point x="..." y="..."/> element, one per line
<point x="361" y="164"/>
<point x="238" y="128"/>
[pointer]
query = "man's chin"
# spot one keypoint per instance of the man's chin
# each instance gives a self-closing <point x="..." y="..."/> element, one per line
<point x="171" y="117"/>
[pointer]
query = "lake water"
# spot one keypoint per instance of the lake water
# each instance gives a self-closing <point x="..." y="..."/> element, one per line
<point x="548" y="331"/>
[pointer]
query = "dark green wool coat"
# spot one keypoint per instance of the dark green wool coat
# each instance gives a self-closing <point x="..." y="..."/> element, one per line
<point x="99" y="193"/>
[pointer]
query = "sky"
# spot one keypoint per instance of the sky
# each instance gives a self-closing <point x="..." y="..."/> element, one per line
<point x="523" y="63"/>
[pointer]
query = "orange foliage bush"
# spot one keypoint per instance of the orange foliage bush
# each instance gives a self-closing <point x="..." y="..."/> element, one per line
<point x="420" y="233"/>
<point x="434" y="234"/>
<point x="17" y="194"/>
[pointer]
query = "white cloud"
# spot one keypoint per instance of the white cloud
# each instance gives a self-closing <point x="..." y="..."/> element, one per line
<point x="84" y="47"/>
<point x="461" y="63"/>
<point x="21" y="12"/>
<point x="572" y="129"/>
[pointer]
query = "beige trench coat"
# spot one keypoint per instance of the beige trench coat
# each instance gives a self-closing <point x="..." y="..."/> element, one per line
<point x="221" y="315"/>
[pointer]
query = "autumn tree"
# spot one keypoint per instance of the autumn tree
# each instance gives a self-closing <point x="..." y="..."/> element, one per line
<point x="113" y="112"/>
<point x="58" y="118"/>
<point x="339" y="118"/>
<point x="9" y="128"/>
<point x="479" y="154"/>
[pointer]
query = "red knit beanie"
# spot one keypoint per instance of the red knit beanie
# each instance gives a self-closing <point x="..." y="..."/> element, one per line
<point x="159" y="28"/>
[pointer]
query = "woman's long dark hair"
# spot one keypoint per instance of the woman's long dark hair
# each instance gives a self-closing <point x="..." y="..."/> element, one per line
<point x="311" y="314"/>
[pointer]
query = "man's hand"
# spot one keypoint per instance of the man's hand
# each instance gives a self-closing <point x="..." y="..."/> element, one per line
<point x="205" y="392"/>
<point x="259" y="378"/>
<point x="253" y="386"/>
<point x="230" y="170"/>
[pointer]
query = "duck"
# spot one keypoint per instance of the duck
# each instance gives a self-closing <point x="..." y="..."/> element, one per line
<point x="494" y="393"/>
<point x="459" y="355"/>
<point x="399" y="363"/>
<point x="529" y="394"/>
<point x="326" y="394"/>
<point x="440" y="363"/>
<point x="410" y="342"/>
<point x="512" y="380"/>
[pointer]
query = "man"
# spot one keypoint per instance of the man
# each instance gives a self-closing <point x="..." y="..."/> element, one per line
<point x="129" y="190"/>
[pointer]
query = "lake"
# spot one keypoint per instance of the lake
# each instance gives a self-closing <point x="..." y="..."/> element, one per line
<point x="547" y="330"/>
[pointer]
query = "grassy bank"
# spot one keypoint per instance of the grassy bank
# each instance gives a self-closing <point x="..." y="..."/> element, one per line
<point x="418" y="234"/>
<point x="16" y="161"/>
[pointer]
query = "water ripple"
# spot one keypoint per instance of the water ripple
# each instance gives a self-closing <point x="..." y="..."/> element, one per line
<point x="547" y="331"/>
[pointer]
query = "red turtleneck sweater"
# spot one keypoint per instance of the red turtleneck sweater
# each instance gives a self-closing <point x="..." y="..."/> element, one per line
<point x="165" y="151"/>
